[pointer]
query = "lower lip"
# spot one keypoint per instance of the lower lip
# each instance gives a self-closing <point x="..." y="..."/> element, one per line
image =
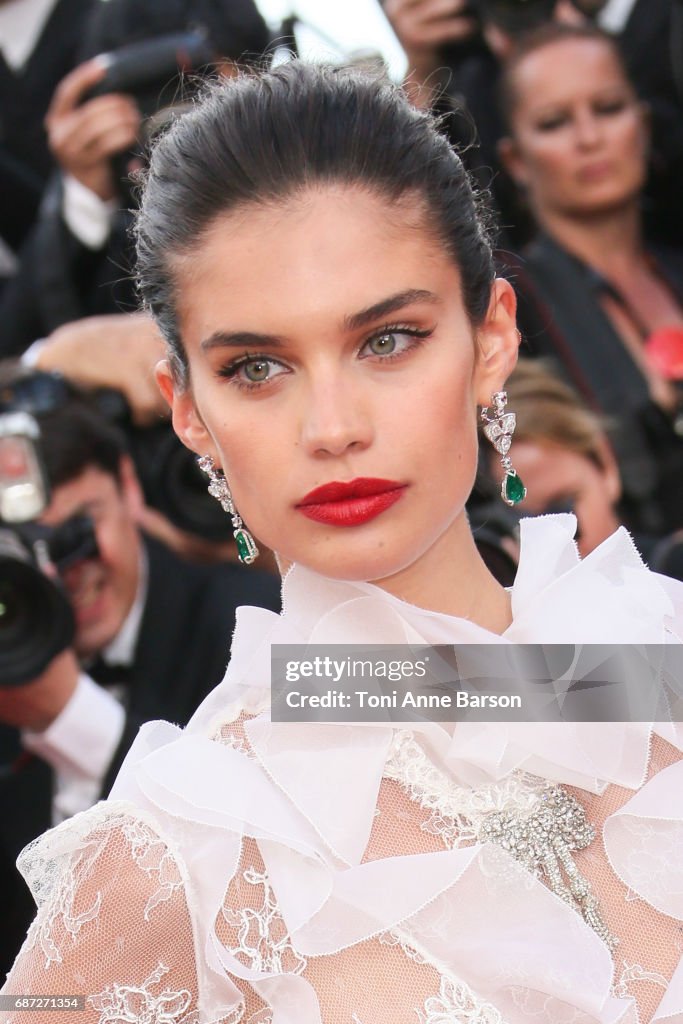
<point x="352" y="511"/>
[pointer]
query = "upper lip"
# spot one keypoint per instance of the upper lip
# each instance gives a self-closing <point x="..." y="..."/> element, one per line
<point x="362" y="487"/>
<point x="595" y="167"/>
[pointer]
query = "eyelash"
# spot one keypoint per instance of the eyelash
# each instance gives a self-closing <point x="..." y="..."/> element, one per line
<point x="231" y="371"/>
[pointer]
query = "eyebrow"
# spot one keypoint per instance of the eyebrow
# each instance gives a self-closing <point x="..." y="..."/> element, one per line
<point x="239" y="339"/>
<point x="386" y="306"/>
<point x="353" y="322"/>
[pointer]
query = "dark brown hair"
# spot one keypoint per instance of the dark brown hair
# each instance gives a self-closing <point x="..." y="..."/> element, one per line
<point x="263" y="137"/>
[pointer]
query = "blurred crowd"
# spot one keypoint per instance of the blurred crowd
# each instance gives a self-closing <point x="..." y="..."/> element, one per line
<point x="569" y="115"/>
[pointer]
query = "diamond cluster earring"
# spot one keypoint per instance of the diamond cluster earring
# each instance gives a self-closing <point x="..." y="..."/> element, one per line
<point x="219" y="489"/>
<point x="499" y="429"/>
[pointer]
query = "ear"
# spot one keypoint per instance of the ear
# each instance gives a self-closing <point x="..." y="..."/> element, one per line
<point x="498" y="343"/>
<point x="511" y="159"/>
<point x="187" y="422"/>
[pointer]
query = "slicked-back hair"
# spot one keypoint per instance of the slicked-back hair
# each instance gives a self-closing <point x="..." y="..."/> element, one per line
<point x="263" y="138"/>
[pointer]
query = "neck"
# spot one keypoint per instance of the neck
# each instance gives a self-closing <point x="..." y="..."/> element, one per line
<point x="606" y="241"/>
<point x="452" y="578"/>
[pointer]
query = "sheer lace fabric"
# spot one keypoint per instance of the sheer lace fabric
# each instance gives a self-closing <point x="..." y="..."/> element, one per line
<point x="246" y="872"/>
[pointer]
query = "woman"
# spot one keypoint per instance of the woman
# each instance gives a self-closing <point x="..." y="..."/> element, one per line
<point x="577" y="146"/>
<point x="312" y="251"/>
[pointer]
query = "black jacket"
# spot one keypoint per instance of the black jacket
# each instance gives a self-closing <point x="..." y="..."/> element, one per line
<point x="562" y="319"/>
<point x="25" y="161"/>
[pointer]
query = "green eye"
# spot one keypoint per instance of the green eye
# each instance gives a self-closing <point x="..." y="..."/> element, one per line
<point x="256" y="370"/>
<point x="382" y="345"/>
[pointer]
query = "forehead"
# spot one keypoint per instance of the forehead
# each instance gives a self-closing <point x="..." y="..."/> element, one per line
<point x="564" y="68"/>
<point x="309" y="259"/>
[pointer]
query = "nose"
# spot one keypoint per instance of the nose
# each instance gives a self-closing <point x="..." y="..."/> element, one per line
<point x="588" y="129"/>
<point x="336" y="416"/>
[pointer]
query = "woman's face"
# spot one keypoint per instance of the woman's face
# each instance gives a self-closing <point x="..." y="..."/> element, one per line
<point x="328" y="345"/>
<point x="579" y="138"/>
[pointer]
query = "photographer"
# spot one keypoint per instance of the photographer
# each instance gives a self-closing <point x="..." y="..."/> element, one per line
<point x="77" y="260"/>
<point x="153" y="628"/>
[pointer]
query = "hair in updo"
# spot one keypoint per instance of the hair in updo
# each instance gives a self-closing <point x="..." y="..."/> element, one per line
<point x="262" y="138"/>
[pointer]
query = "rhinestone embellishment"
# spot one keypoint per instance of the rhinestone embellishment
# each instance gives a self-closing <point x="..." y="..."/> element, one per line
<point x="543" y="841"/>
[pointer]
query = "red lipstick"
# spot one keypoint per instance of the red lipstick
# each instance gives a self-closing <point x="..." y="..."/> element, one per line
<point x="352" y="503"/>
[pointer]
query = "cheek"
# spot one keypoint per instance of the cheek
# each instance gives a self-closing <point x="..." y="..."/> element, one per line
<point x="544" y="153"/>
<point x="633" y="142"/>
<point x="449" y="415"/>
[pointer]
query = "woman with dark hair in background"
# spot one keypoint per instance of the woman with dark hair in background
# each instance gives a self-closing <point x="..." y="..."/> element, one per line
<point x="605" y="306"/>
<point x="312" y="251"/>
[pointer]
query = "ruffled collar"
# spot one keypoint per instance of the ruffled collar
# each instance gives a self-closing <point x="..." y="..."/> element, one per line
<point x="608" y="597"/>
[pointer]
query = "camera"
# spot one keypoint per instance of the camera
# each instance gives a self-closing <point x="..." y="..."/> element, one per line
<point x="516" y="16"/>
<point x="169" y="475"/>
<point x="36" y="619"/>
<point x="147" y="70"/>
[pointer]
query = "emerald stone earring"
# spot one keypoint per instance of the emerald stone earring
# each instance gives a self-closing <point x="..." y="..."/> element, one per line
<point x="219" y="489"/>
<point x="499" y="429"/>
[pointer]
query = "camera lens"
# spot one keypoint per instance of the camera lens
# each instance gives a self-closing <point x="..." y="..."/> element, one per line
<point x="175" y="485"/>
<point x="36" y="621"/>
<point x="10" y="610"/>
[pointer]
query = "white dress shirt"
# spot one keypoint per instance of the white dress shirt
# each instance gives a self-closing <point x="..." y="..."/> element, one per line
<point x="21" y="25"/>
<point x="615" y="14"/>
<point x="87" y="217"/>
<point x="82" y="740"/>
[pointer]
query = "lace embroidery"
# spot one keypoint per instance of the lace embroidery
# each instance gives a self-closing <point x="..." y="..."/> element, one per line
<point x="54" y="890"/>
<point x="634" y="972"/>
<point x="263" y="939"/>
<point x="456" y="1003"/>
<point x="153" y="856"/>
<point x="536" y="822"/>
<point x="135" y="1004"/>
<point x="457" y="812"/>
<point x="58" y="865"/>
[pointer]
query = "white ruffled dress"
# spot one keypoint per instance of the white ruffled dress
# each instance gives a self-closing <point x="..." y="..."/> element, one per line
<point x="245" y="871"/>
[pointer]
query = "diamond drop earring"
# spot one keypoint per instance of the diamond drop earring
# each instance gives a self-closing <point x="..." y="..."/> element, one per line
<point x="219" y="489"/>
<point x="499" y="429"/>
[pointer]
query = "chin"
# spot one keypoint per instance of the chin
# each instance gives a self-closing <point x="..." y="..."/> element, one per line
<point x="354" y="564"/>
<point x="92" y="641"/>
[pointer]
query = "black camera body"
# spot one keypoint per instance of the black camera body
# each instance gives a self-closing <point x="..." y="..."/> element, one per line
<point x="168" y="472"/>
<point x="36" y="619"/>
<point x="515" y="16"/>
<point x="149" y="70"/>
